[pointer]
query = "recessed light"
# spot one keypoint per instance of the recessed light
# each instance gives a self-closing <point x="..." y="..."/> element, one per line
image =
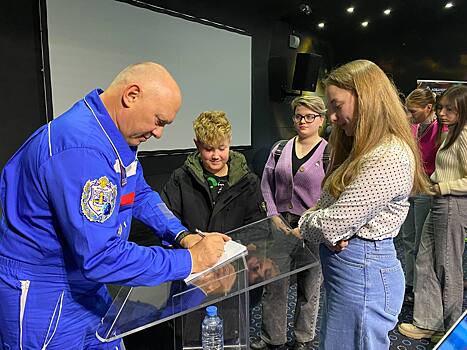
<point x="321" y="25"/>
<point x="350" y="9"/>
<point x="364" y="24"/>
<point x="448" y="5"/>
<point x="387" y="12"/>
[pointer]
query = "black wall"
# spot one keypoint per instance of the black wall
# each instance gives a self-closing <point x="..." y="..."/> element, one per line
<point x="414" y="45"/>
<point x="21" y="87"/>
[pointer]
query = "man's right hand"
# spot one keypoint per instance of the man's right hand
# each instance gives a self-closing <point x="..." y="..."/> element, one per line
<point x="206" y="252"/>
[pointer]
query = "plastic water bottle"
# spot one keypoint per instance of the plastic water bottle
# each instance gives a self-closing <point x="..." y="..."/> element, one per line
<point x="212" y="330"/>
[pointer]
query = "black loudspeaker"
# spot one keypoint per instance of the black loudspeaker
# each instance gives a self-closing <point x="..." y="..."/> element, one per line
<point x="306" y="72"/>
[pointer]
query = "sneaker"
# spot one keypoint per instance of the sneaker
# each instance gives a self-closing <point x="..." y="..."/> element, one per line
<point x="258" y="345"/>
<point x="262" y="345"/>
<point x="435" y="338"/>
<point x="301" y="346"/>
<point x="414" y="332"/>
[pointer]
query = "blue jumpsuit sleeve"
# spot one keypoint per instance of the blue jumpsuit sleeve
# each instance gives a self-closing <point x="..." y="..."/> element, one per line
<point x="152" y="211"/>
<point x="97" y="246"/>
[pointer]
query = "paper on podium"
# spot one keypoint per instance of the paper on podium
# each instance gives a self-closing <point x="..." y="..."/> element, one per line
<point x="232" y="250"/>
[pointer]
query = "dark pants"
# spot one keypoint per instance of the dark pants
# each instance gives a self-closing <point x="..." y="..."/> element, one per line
<point x="439" y="264"/>
<point x="274" y="302"/>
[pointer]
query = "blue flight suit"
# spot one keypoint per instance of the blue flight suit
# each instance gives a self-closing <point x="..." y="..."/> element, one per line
<point x="68" y="196"/>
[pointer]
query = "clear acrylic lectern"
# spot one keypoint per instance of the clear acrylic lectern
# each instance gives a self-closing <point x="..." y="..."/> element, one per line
<point x="274" y="252"/>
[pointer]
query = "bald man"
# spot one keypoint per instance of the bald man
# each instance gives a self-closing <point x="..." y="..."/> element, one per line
<point x="68" y="196"/>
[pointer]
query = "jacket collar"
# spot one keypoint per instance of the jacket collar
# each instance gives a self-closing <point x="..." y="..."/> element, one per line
<point x="238" y="167"/>
<point x="125" y="153"/>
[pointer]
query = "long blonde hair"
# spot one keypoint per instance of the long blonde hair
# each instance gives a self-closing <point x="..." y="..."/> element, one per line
<point x="379" y="114"/>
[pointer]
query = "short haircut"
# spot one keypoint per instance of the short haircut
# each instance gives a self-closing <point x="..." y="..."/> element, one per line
<point x="315" y="103"/>
<point x="212" y="128"/>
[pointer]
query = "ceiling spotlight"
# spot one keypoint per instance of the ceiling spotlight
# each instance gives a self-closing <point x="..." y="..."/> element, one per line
<point x="321" y="25"/>
<point x="305" y="9"/>
<point x="364" y="24"/>
<point x="448" y="5"/>
<point x="350" y="9"/>
<point x="387" y="12"/>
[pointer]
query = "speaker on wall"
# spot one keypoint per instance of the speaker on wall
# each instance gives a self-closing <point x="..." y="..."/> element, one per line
<point x="306" y="72"/>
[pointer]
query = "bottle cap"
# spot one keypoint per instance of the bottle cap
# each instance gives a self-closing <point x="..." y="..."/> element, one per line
<point x="211" y="310"/>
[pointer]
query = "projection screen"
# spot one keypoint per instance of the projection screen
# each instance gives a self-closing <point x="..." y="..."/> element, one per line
<point x="90" y="41"/>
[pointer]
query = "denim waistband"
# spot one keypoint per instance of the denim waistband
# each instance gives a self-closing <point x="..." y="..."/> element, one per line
<point x="387" y="243"/>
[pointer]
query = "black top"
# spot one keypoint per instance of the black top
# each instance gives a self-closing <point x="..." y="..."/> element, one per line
<point x="296" y="162"/>
<point x="216" y="184"/>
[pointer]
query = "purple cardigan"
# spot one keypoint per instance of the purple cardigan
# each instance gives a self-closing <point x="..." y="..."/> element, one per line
<point x="292" y="194"/>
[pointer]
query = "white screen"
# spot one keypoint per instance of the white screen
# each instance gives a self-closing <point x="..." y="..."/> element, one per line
<point x="91" y="41"/>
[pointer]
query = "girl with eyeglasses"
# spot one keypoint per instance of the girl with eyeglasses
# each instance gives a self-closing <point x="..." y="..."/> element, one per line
<point x="439" y="288"/>
<point x="291" y="184"/>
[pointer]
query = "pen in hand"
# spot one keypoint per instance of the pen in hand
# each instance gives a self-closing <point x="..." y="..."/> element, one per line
<point x="201" y="233"/>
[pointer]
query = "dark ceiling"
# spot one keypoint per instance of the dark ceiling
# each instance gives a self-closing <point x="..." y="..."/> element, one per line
<point x="406" y="16"/>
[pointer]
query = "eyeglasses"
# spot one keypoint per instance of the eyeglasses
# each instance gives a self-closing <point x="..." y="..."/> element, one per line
<point x="439" y="107"/>
<point x="309" y="118"/>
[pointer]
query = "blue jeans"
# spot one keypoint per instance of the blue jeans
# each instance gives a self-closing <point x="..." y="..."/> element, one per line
<point x="364" y="291"/>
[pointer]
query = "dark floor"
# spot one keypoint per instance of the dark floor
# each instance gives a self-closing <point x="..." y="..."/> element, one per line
<point x="398" y="341"/>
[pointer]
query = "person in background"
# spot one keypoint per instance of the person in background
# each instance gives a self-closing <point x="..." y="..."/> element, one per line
<point x="375" y="165"/>
<point x="291" y="184"/>
<point x="68" y="196"/>
<point x="421" y="106"/>
<point x="214" y="189"/>
<point x="439" y="287"/>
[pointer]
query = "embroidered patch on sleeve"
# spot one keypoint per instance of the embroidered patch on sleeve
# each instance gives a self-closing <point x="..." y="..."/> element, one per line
<point x="98" y="199"/>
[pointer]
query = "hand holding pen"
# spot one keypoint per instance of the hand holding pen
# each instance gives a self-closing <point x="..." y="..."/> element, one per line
<point x="201" y="233"/>
<point x="207" y="251"/>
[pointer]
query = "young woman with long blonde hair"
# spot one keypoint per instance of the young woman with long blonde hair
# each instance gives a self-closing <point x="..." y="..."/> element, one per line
<point x="375" y="166"/>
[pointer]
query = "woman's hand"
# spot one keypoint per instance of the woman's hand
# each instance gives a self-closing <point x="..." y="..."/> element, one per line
<point x="340" y="246"/>
<point x="435" y="189"/>
<point x="296" y="233"/>
<point x="280" y="224"/>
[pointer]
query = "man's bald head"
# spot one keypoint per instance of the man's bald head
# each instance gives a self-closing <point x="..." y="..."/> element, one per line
<point x="141" y="100"/>
<point x="150" y="75"/>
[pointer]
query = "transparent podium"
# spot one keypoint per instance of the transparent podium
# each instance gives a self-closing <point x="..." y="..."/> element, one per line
<point x="274" y="252"/>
